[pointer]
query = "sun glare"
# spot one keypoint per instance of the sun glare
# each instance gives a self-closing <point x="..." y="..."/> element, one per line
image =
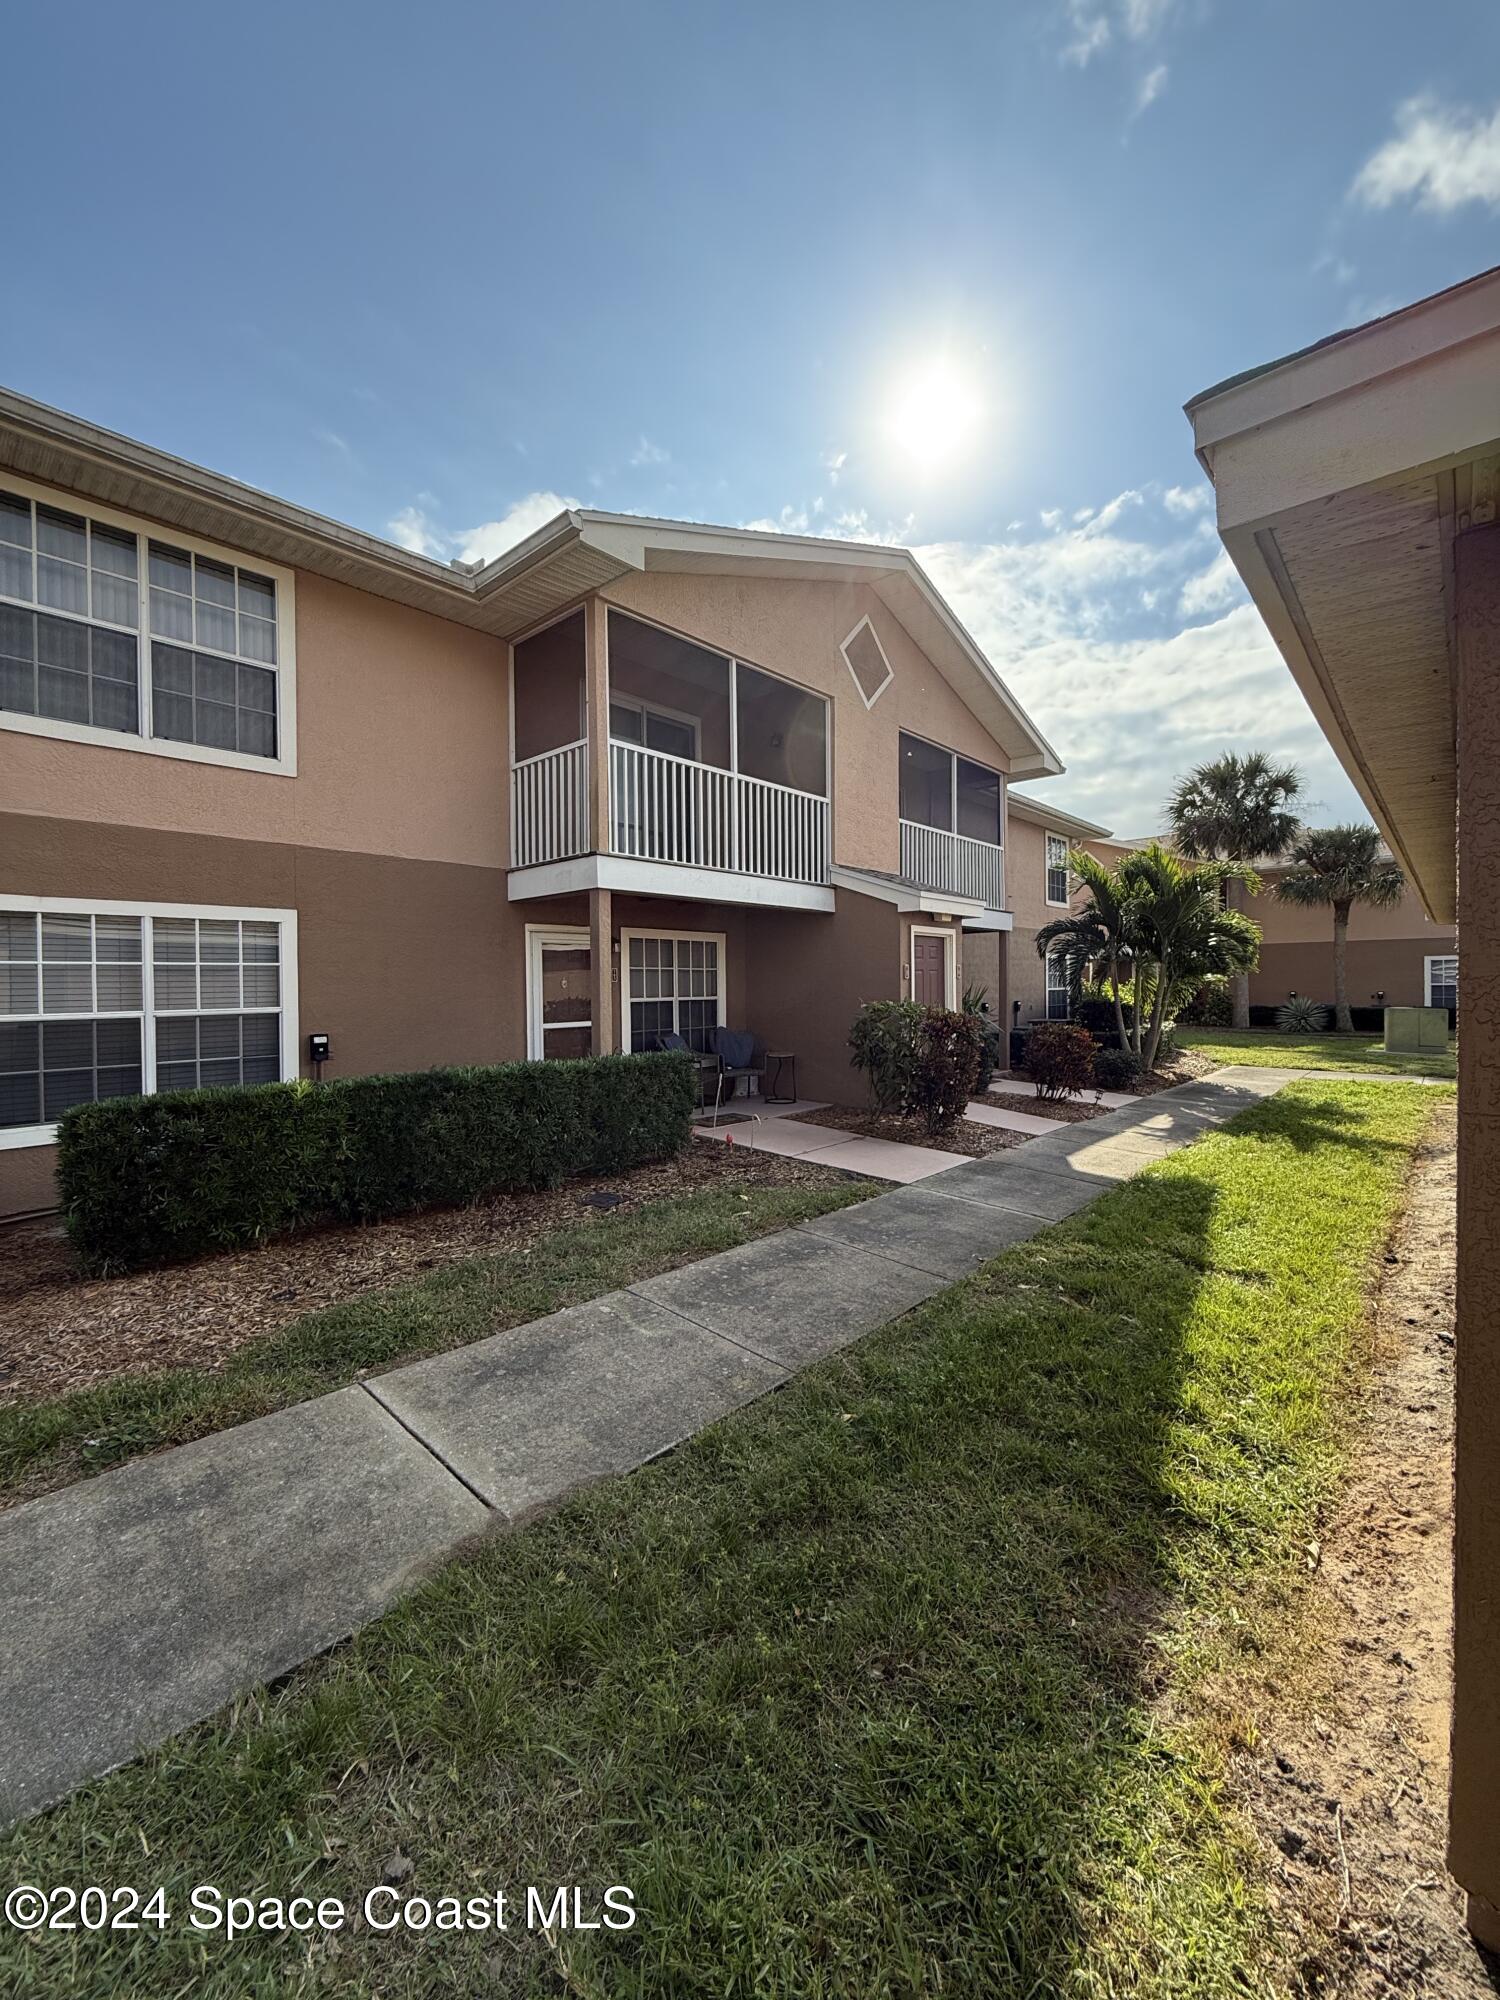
<point x="935" y="413"/>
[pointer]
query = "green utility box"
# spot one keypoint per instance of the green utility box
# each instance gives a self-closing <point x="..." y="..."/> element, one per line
<point x="1409" y="1029"/>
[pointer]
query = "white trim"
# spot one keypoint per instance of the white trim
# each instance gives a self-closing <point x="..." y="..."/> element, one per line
<point x="16" y="1136"/>
<point x="717" y="938"/>
<point x="1438" y="958"/>
<point x="284" y="667"/>
<point x="992" y="920"/>
<point x="565" y="937"/>
<point x="666" y="878"/>
<point x="950" y="962"/>
<point x="1051" y="834"/>
<point x="1048" y="988"/>
<point x="869" y="700"/>
<point x="908" y="897"/>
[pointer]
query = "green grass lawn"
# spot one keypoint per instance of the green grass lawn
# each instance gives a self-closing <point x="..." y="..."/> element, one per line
<point x="915" y="1678"/>
<point x="49" y="1443"/>
<point x="1266" y="1045"/>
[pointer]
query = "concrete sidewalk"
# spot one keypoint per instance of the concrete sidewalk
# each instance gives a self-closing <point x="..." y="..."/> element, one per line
<point x="145" y="1599"/>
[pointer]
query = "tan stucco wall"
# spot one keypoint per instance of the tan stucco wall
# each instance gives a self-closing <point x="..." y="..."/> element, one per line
<point x="1386" y="948"/>
<point x="401" y="748"/>
<point x="1026" y="873"/>
<point x="795" y="629"/>
<point x="1474" y="1832"/>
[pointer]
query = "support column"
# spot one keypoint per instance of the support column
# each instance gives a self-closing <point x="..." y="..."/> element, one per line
<point x="1474" y="1820"/>
<point x="602" y="961"/>
<point x="596" y="708"/>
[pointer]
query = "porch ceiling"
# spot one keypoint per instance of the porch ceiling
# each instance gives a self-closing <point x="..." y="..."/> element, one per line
<point x="1343" y="474"/>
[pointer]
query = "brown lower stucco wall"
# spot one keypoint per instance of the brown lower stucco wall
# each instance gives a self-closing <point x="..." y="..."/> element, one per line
<point x="1474" y="1830"/>
<point x="807" y="976"/>
<point x="1394" y="966"/>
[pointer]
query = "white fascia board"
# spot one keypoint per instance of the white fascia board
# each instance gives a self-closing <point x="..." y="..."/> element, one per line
<point x="911" y="900"/>
<point x="663" y="878"/>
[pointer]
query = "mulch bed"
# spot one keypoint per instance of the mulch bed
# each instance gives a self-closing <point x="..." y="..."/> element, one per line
<point x="1066" y="1110"/>
<point x="966" y="1137"/>
<point x="60" y="1331"/>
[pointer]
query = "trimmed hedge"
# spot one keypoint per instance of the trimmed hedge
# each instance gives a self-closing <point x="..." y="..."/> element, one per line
<point x="153" y="1180"/>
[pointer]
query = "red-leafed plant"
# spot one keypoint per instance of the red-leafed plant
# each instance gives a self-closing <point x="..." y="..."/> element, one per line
<point x="1060" y="1059"/>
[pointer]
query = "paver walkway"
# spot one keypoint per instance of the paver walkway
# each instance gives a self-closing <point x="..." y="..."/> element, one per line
<point x="142" y="1600"/>
<point x="771" y="1128"/>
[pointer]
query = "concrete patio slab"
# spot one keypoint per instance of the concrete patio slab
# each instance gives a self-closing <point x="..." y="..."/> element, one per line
<point x="141" y="1601"/>
<point x="790" y="1298"/>
<point x="1008" y="1182"/>
<point x="923" y="1228"/>
<point x="526" y="1416"/>
<point x="882" y="1159"/>
<point x="776" y="1135"/>
<point x="1007" y="1120"/>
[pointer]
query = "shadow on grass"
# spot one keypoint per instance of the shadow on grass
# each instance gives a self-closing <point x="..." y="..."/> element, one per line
<point x="854" y="1692"/>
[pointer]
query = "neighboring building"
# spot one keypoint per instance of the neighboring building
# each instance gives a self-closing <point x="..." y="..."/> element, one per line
<point x="1394" y="958"/>
<point x="1358" y="487"/>
<point x="1041" y="838"/>
<point x="262" y="776"/>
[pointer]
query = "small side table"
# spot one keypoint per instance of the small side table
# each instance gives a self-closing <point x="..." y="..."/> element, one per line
<point x="781" y="1058"/>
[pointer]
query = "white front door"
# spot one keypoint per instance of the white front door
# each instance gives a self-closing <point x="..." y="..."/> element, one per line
<point x="559" y="993"/>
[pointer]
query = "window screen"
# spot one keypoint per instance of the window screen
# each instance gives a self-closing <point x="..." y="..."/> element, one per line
<point x="1057" y="868"/>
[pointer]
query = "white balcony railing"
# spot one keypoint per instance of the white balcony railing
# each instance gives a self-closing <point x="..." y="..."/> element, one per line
<point x="953" y="862"/>
<point x="549" y="806"/>
<point x="673" y="809"/>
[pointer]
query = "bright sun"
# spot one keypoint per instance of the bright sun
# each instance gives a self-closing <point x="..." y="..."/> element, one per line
<point x="934" y="414"/>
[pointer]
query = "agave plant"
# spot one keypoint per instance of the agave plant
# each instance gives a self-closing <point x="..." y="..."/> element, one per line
<point x="1301" y="1016"/>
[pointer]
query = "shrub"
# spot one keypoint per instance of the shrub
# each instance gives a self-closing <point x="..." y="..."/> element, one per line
<point x="950" y="1055"/>
<point x="883" y="1044"/>
<point x="152" y="1180"/>
<point x="1302" y="1017"/>
<point x="1096" y="1012"/>
<point x="1116" y="1068"/>
<point x="1209" y="1005"/>
<point x="1060" y="1059"/>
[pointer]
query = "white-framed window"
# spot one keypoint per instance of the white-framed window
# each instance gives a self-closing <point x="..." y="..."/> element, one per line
<point x="101" y="999"/>
<point x="868" y="666"/>
<point x="116" y="632"/>
<point x="674" y="985"/>
<point x="1440" y="979"/>
<point x="1057" y="870"/>
<point x="653" y="727"/>
<point x="1059" y="998"/>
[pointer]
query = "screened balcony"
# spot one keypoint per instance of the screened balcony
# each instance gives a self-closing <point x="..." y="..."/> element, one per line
<point x="711" y="763"/>
<point x="951" y="823"/>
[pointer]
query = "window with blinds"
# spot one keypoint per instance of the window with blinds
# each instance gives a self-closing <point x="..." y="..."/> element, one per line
<point x="104" y="1004"/>
<point x="108" y="627"/>
<point x="673" y="990"/>
<point x="1057" y="868"/>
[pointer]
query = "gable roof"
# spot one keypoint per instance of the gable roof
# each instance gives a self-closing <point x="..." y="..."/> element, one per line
<point x="579" y="551"/>
<point x="1041" y="813"/>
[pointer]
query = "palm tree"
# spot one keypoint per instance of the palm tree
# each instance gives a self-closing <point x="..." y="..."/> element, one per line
<point x="1236" y="809"/>
<point x="1160" y="919"/>
<point x="1096" y="934"/>
<point x="1339" y="866"/>
<point x="1177" y="925"/>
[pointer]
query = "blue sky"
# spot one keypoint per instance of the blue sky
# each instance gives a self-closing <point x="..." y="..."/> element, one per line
<point x="434" y="271"/>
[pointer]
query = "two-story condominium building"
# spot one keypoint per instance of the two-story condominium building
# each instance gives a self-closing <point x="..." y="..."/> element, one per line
<point x="264" y="777"/>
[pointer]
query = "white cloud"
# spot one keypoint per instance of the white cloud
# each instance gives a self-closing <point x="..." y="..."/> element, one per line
<point x="1152" y="86"/>
<point x="1212" y="589"/>
<point x="1185" y="500"/>
<point x="1094" y="25"/>
<point x="1442" y="157"/>
<point x="416" y="528"/>
<point x="833" y="464"/>
<point x="413" y="529"/>
<point x="647" y="453"/>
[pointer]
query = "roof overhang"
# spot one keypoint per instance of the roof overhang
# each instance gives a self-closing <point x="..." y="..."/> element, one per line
<point x="913" y="900"/>
<point x="1343" y="474"/>
<point x="1039" y="813"/>
<point x="579" y="551"/>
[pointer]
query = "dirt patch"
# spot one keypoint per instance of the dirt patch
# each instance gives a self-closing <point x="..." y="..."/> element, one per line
<point x="60" y="1331"/>
<point x="1349" y="1793"/>
<point x="1182" y="1066"/>
<point x="966" y="1137"/>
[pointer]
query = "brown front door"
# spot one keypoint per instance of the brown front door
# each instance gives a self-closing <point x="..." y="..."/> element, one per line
<point x="929" y="969"/>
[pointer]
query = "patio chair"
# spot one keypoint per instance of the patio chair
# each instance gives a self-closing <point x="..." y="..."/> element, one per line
<point x="707" y="1066"/>
<point x="739" y="1054"/>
